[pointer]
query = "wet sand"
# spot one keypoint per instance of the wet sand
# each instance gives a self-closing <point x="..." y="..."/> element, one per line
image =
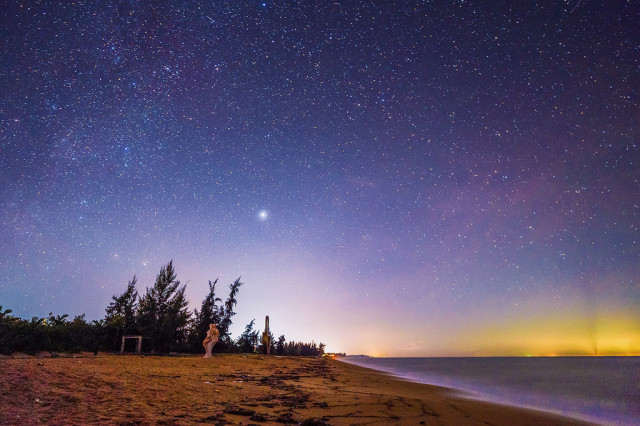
<point x="231" y="389"/>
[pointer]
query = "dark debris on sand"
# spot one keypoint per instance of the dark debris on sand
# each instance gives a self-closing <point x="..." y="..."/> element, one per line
<point x="280" y="406"/>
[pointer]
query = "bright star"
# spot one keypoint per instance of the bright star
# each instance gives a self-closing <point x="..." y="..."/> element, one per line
<point x="263" y="215"/>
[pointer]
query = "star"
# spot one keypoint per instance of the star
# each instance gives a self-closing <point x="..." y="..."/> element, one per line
<point x="263" y="215"/>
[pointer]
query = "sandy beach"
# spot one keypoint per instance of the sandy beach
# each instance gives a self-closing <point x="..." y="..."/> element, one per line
<point x="231" y="389"/>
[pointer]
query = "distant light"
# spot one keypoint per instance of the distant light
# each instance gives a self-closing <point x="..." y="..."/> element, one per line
<point x="263" y="215"/>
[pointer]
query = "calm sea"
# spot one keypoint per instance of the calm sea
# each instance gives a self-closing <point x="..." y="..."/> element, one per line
<point x="599" y="389"/>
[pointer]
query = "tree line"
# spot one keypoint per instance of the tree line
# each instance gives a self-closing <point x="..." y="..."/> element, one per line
<point x="161" y="314"/>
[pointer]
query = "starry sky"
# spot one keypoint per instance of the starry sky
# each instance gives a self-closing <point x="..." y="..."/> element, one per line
<point x="408" y="178"/>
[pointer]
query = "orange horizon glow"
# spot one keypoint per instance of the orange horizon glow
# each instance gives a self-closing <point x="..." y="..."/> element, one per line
<point x="560" y="335"/>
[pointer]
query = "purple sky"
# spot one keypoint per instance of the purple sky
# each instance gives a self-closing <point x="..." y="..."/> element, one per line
<point x="398" y="178"/>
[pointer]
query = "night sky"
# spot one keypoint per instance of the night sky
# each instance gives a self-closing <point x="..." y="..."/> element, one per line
<point x="390" y="178"/>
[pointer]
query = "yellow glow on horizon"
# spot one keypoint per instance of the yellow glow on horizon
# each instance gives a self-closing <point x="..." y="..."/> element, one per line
<point x="560" y="336"/>
<point x="539" y="330"/>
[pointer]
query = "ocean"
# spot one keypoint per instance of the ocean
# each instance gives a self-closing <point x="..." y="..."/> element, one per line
<point x="604" y="390"/>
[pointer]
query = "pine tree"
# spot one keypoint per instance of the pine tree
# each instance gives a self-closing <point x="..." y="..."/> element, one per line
<point x="280" y="345"/>
<point x="162" y="311"/>
<point x="248" y="340"/>
<point x="227" y="313"/>
<point x="209" y="313"/>
<point x="121" y="312"/>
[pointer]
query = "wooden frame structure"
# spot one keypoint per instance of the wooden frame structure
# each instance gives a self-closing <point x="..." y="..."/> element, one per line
<point x="138" y="345"/>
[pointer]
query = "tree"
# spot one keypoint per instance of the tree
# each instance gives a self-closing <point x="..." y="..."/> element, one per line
<point x="177" y="321"/>
<point x="121" y="312"/>
<point x="5" y="314"/>
<point x="161" y="314"/>
<point x="162" y="311"/>
<point x="226" y="314"/>
<point x="58" y="320"/>
<point x="280" y="345"/>
<point x="248" y="340"/>
<point x="209" y="313"/>
<point x="9" y="331"/>
<point x="300" y="349"/>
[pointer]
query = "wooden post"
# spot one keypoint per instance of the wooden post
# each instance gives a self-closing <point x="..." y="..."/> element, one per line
<point x="139" y="346"/>
<point x="122" y="346"/>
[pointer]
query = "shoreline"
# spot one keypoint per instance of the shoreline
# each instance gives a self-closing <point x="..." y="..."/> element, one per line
<point x="234" y="389"/>
<point x="596" y="390"/>
<point x="456" y="406"/>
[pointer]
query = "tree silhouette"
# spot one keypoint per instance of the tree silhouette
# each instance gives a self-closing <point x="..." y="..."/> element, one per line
<point x="280" y="345"/>
<point x="4" y="314"/>
<point x="121" y="312"/>
<point x="162" y="311"/>
<point x="248" y="340"/>
<point x="209" y="313"/>
<point x="226" y="314"/>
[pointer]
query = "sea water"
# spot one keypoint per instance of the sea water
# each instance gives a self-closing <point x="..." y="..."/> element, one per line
<point x="604" y="390"/>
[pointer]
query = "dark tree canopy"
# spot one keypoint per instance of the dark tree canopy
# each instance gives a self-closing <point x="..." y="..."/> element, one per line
<point x="209" y="313"/>
<point x="121" y="312"/>
<point x="162" y="311"/>
<point x="227" y="313"/>
<point x="248" y="340"/>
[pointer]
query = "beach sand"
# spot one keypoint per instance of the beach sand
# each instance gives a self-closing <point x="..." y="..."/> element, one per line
<point x="231" y="389"/>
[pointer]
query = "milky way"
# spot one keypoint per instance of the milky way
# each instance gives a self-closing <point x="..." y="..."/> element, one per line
<point x="387" y="177"/>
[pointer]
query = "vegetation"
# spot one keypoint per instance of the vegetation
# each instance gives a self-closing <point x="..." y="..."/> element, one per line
<point x="248" y="340"/>
<point x="225" y="343"/>
<point x="209" y="313"/>
<point x="161" y="314"/>
<point x="301" y="349"/>
<point x="55" y="334"/>
<point x="121" y="316"/>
